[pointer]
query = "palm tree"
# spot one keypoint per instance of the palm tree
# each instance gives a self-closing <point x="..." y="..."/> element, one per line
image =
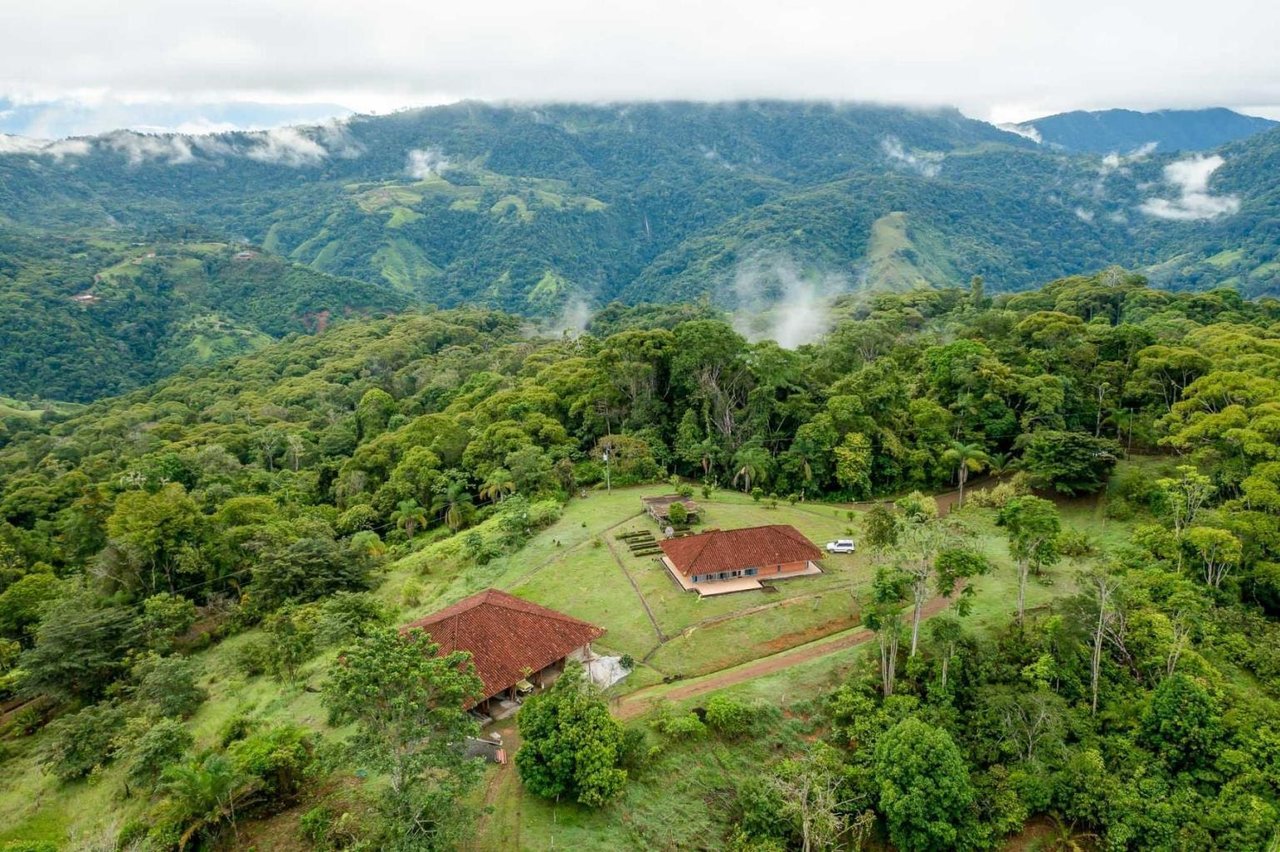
<point x="202" y="794"/>
<point x="967" y="458"/>
<point x="750" y="464"/>
<point x="998" y="464"/>
<point x="497" y="486"/>
<point x="454" y="503"/>
<point x="409" y="516"/>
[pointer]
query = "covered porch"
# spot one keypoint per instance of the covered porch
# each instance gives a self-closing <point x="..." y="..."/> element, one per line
<point x="731" y="584"/>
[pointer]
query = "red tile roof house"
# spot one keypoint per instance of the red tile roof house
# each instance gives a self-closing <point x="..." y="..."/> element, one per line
<point x="714" y="563"/>
<point x="514" y="643"/>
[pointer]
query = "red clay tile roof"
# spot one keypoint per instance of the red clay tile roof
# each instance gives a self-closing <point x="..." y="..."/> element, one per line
<point x="732" y="550"/>
<point x="507" y="636"/>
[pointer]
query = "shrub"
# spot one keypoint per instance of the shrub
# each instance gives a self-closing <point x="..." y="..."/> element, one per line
<point x="677" y="513"/>
<point x="349" y="615"/>
<point x="728" y="717"/>
<point x="627" y="662"/>
<point x="237" y="726"/>
<point x="411" y="593"/>
<point x="167" y="687"/>
<point x="757" y="493"/>
<point x="79" y="743"/>
<point x="160" y="745"/>
<point x="253" y="658"/>
<point x="633" y="751"/>
<point x="315" y="824"/>
<point x="279" y="756"/>
<point x="680" y="726"/>
<point x="1074" y="543"/>
<point x="291" y="640"/>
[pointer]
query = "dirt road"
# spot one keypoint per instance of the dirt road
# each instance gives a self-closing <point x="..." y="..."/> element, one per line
<point x="639" y="702"/>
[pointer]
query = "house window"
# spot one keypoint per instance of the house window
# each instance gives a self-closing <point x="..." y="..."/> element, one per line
<point x="751" y="572"/>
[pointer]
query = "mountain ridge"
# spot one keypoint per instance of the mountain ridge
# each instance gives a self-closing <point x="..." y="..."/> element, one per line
<point x="1123" y="130"/>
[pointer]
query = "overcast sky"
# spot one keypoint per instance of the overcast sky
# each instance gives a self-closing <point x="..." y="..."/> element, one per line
<point x="1001" y="60"/>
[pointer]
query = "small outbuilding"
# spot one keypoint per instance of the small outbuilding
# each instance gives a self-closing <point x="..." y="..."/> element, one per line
<point x="517" y="645"/>
<point x="659" y="508"/>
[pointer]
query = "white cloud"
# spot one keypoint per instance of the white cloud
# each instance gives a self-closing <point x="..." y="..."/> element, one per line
<point x="1194" y="200"/>
<point x="372" y="57"/>
<point x="139" y="147"/>
<point x="43" y="147"/>
<point x="338" y="141"/>
<point x="1027" y="131"/>
<point x="774" y="300"/>
<point x="425" y="162"/>
<point x="286" y="146"/>
<point x="1116" y="162"/>
<point x="926" y="163"/>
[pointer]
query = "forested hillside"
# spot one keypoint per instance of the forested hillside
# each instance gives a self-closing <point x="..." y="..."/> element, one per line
<point x="540" y="209"/>
<point x="93" y="314"/>
<point x="245" y="521"/>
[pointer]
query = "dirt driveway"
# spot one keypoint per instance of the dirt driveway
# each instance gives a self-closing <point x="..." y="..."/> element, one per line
<point x="639" y="702"/>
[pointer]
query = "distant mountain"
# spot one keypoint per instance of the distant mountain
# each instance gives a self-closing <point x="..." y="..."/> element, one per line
<point x="1123" y="130"/>
<point x="545" y="210"/>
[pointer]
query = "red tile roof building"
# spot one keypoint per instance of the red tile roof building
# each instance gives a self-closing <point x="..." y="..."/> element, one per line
<point x="509" y="639"/>
<point x="750" y="552"/>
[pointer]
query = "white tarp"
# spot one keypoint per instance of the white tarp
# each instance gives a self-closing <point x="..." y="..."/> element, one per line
<point x="605" y="671"/>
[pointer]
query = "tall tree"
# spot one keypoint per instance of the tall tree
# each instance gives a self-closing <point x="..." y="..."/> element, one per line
<point x="884" y="615"/>
<point x="924" y="788"/>
<point x="407" y="703"/>
<point x="966" y="458"/>
<point x="1032" y="525"/>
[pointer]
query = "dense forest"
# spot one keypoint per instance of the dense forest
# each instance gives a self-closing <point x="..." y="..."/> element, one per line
<point x="89" y="316"/>
<point x="254" y="510"/>
<point x="534" y="209"/>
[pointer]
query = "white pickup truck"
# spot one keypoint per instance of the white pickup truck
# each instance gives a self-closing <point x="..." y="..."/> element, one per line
<point x="841" y="545"/>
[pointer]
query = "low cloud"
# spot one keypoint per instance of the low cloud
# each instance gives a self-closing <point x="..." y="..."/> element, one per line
<point x="574" y="318"/>
<point x="338" y="141"/>
<point x="139" y="148"/>
<point x="426" y="162"/>
<point x="1190" y="177"/>
<point x="1116" y="162"/>
<point x="774" y="300"/>
<point x="286" y="146"/>
<point x="43" y="147"/>
<point x="1026" y="131"/>
<point x="293" y="147"/>
<point x="926" y="163"/>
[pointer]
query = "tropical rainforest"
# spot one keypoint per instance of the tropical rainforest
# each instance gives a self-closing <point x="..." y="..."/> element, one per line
<point x="267" y="519"/>
<point x="124" y="244"/>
